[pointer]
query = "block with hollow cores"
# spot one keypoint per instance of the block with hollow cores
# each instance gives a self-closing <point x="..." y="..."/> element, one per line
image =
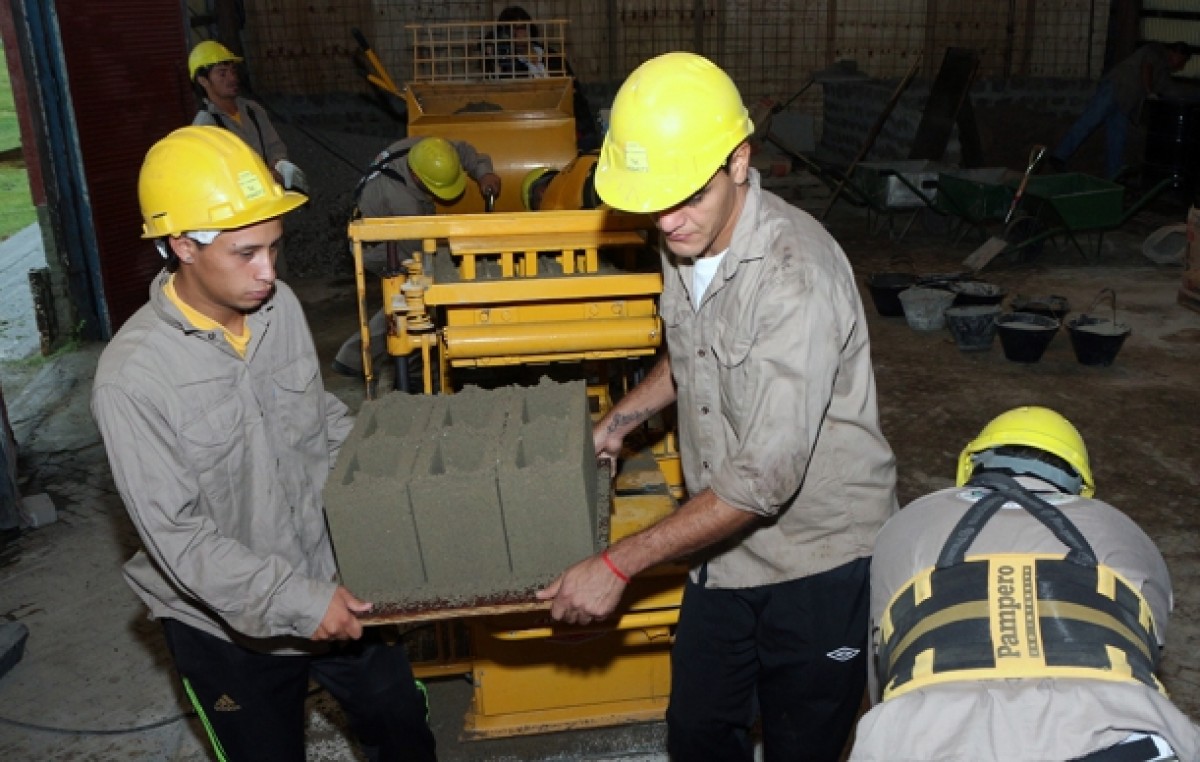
<point x="481" y="496"/>
<point x="539" y="480"/>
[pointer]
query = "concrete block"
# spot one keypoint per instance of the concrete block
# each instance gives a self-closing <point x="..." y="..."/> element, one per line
<point x="12" y="645"/>
<point x="38" y="510"/>
<point x="474" y="497"/>
<point x="548" y="483"/>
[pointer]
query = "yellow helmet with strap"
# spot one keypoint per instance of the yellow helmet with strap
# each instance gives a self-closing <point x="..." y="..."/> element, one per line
<point x="1038" y="427"/>
<point x="435" y="163"/>
<point x="207" y="178"/>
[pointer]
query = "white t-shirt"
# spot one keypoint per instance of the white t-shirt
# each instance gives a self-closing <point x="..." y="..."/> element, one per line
<point x="703" y="270"/>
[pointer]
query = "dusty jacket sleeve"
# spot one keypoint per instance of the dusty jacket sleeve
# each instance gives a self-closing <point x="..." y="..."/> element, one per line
<point x="793" y="345"/>
<point x="257" y="596"/>
<point x="474" y="163"/>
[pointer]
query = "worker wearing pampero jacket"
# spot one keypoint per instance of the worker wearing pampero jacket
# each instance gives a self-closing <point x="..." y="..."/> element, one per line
<point x="405" y="180"/>
<point x="789" y="476"/>
<point x="1015" y="617"/>
<point x="220" y="436"/>
<point x="213" y="70"/>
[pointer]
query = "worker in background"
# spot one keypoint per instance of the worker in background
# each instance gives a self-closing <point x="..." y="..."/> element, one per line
<point x="1117" y="102"/>
<point x="406" y="179"/>
<point x="789" y="475"/>
<point x="1015" y="617"/>
<point x="572" y="187"/>
<point x="520" y="51"/>
<point x="213" y="70"/>
<point x="220" y="436"/>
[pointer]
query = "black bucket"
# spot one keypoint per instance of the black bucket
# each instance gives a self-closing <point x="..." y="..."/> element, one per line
<point x="1025" y="335"/>
<point x="1051" y="306"/>
<point x="1095" y="340"/>
<point x="969" y="292"/>
<point x="973" y="326"/>
<point x="885" y="291"/>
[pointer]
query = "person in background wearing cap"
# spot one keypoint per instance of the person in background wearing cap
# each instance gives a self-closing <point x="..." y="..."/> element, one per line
<point x="788" y="474"/>
<point x="1016" y="617"/>
<point x="404" y="180"/>
<point x="220" y="436"/>
<point x="213" y="71"/>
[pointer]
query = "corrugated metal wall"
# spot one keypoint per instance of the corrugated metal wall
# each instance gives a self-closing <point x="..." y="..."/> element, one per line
<point x="128" y="88"/>
<point x="769" y="47"/>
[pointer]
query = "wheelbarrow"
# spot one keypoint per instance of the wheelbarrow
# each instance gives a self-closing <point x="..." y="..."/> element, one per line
<point x="888" y="190"/>
<point x="974" y="197"/>
<point x="1070" y="205"/>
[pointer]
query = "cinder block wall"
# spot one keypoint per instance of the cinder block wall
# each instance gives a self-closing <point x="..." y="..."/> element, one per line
<point x="474" y="498"/>
<point x="1031" y="110"/>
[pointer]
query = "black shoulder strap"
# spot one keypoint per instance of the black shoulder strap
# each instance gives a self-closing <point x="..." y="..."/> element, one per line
<point x="380" y="166"/>
<point x="1005" y="489"/>
<point x="262" y="143"/>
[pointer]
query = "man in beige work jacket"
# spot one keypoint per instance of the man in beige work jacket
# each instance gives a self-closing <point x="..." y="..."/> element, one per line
<point x="787" y="470"/>
<point x="1017" y="618"/>
<point x="220" y="436"/>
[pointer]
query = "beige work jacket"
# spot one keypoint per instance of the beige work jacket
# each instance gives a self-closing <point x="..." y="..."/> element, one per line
<point x="776" y="397"/>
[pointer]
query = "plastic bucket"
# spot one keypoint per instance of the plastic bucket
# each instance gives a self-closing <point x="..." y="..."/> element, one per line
<point x="885" y="291"/>
<point x="924" y="308"/>
<point x="1096" y="341"/>
<point x="1025" y="335"/>
<point x="973" y="326"/>
<point x="970" y="292"/>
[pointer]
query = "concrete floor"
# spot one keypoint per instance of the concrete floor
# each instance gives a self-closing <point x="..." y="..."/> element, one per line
<point x="95" y="682"/>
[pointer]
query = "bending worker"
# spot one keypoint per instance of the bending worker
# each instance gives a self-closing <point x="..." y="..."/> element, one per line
<point x="213" y="70"/>
<point x="405" y="180"/>
<point x="572" y="187"/>
<point x="769" y="366"/>
<point x="1015" y="617"/>
<point x="220" y="436"/>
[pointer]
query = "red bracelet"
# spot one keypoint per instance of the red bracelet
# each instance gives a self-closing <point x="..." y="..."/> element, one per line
<point x="613" y="567"/>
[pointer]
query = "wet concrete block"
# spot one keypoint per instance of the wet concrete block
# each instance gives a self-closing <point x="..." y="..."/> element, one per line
<point x="547" y="481"/>
<point x="443" y="501"/>
<point x="367" y="506"/>
<point x="456" y="510"/>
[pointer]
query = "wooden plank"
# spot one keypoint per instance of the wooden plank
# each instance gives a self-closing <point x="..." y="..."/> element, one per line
<point x="436" y="615"/>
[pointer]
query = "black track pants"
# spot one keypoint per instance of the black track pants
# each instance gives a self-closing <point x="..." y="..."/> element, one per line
<point x="252" y="704"/>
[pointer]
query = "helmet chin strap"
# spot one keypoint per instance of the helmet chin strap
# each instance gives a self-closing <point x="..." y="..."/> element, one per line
<point x="1068" y="482"/>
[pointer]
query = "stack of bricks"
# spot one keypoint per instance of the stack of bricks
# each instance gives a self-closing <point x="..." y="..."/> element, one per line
<point x="474" y="498"/>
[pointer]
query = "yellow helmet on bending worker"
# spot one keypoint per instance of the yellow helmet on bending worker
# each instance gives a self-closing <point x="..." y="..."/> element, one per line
<point x="573" y="187"/>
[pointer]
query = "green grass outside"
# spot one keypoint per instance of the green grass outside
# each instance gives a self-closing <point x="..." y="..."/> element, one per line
<point x="16" y="205"/>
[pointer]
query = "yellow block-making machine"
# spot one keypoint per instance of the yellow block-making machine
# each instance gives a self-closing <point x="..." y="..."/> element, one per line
<point x="493" y="298"/>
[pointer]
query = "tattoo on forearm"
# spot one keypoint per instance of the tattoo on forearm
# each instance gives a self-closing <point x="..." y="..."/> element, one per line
<point x="620" y="421"/>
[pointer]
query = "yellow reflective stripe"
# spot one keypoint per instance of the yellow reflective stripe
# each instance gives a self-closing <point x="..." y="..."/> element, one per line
<point x="980" y="675"/>
<point x="949" y="615"/>
<point x="208" y="728"/>
<point x="1064" y="610"/>
<point x="923" y="587"/>
<point x="1106" y="582"/>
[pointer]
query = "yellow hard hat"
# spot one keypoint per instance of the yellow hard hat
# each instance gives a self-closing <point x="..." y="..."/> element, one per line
<point x="435" y="163"/>
<point x="1037" y="427"/>
<point x="531" y="179"/>
<point x="674" y="122"/>
<point x="207" y="178"/>
<point x="209" y="53"/>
